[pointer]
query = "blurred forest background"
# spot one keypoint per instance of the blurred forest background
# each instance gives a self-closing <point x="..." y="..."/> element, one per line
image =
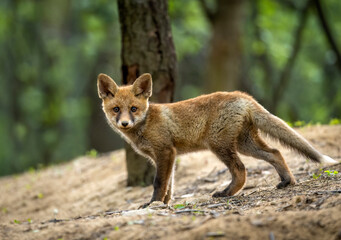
<point x="285" y="54"/>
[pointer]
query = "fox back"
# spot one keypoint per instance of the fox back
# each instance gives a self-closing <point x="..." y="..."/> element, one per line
<point x="223" y="122"/>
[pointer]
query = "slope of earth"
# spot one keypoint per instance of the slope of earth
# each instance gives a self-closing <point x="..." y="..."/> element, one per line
<point x="87" y="199"/>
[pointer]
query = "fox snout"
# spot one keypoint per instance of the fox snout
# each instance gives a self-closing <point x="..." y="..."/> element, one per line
<point x="124" y="124"/>
<point x="125" y="120"/>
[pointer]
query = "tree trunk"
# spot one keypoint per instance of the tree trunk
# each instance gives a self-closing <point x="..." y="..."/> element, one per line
<point x="225" y="53"/>
<point x="147" y="46"/>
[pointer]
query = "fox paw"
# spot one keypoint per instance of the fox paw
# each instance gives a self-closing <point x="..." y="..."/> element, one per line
<point x="284" y="184"/>
<point x="219" y="194"/>
<point x="144" y="205"/>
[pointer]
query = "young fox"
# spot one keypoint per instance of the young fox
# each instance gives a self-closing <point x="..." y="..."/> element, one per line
<point x="223" y="122"/>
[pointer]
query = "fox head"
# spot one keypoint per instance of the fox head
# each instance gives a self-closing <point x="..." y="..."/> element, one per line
<point x="124" y="106"/>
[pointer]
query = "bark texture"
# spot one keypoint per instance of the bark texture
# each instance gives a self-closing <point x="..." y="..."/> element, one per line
<point x="147" y="46"/>
<point x="225" y="51"/>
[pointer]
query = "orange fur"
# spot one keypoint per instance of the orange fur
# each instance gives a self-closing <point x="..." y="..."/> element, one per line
<point x="224" y="122"/>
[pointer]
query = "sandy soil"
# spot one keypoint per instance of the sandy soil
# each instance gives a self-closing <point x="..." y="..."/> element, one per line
<point x="87" y="199"/>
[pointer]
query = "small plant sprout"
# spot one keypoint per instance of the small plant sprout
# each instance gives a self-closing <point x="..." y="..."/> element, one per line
<point x="29" y="220"/>
<point x="40" y="195"/>
<point x="16" y="221"/>
<point x="290" y="124"/>
<point x="179" y="206"/>
<point x="178" y="160"/>
<point x="116" y="228"/>
<point x="4" y="210"/>
<point x="316" y="176"/>
<point x="331" y="173"/>
<point x="299" y="123"/>
<point x="327" y="173"/>
<point x="92" y="153"/>
<point x="32" y="170"/>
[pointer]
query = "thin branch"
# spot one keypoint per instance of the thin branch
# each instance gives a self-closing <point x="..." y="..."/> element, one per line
<point x="210" y="14"/>
<point x="327" y="30"/>
<point x="285" y="75"/>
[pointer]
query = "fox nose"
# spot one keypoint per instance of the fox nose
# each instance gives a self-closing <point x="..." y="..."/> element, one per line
<point x="124" y="124"/>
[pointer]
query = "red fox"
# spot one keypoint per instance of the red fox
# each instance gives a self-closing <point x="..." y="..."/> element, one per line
<point x="223" y="122"/>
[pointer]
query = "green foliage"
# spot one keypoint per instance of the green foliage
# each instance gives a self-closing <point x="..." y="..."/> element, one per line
<point x="299" y="123"/>
<point x="290" y="124"/>
<point x="335" y="121"/>
<point x="179" y="206"/>
<point x="4" y="210"/>
<point x="331" y="173"/>
<point x="316" y="176"/>
<point x="177" y="161"/>
<point x="32" y="170"/>
<point x="92" y="153"/>
<point x="16" y="221"/>
<point x="326" y="173"/>
<point x="314" y="92"/>
<point x="50" y="60"/>
<point x="48" y="86"/>
<point x="40" y="195"/>
<point x="189" y="27"/>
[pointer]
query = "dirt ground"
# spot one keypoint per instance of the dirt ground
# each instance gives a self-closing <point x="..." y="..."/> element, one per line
<point x="87" y="199"/>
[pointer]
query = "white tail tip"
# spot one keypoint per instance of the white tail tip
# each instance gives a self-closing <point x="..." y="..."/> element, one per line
<point x="326" y="159"/>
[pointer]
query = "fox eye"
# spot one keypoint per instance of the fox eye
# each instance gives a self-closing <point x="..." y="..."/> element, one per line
<point x="116" y="109"/>
<point x="133" y="109"/>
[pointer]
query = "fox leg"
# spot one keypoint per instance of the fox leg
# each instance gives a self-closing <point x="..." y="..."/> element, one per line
<point x="164" y="166"/>
<point x="237" y="169"/>
<point x="251" y="144"/>
<point x="169" y="194"/>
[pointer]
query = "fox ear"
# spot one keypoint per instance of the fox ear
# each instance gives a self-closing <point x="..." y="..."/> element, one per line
<point x="143" y="85"/>
<point x="106" y="86"/>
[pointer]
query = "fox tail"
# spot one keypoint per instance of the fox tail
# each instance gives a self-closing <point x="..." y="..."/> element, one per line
<point x="278" y="129"/>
